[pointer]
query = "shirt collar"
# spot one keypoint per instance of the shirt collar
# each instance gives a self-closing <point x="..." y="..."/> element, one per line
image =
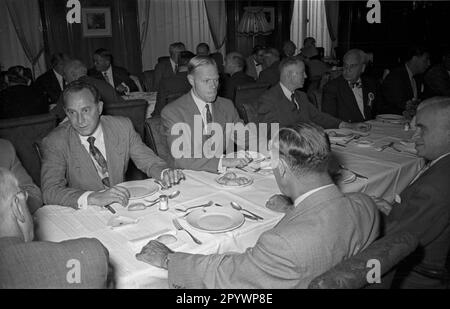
<point x="286" y="91"/>
<point x="58" y="76"/>
<point x="302" y="197"/>
<point x="173" y="64"/>
<point x="199" y="102"/>
<point x="98" y="133"/>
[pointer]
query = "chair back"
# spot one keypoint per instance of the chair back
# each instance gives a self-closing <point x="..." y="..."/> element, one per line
<point x="246" y="100"/>
<point x="353" y="272"/>
<point x="156" y="139"/>
<point x="23" y="133"/>
<point x="172" y="97"/>
<point x="147" y="79"/>
<point x="135" y="79"/>
<point x="134" y="109"/>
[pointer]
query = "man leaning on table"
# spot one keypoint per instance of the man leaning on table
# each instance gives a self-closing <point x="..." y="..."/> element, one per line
<point x="423" y="208"/>
<point x="324" y="228"/>
<point x="86" y="157"/>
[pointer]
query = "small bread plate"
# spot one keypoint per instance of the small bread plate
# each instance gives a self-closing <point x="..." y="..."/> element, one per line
<point x="215" y="219"/>
<point x="140" y="188"/>
<point x="234" y="180"/>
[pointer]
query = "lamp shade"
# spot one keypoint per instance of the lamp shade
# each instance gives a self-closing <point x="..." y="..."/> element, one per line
<point x="254" y="22"/>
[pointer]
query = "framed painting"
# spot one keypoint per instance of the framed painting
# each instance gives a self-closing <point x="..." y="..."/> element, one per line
<point x="96" y="22"/>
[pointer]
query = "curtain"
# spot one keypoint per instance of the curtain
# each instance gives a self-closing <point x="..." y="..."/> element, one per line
<point x="332" y="14"/>
<point x="217" y="18"/>
<point x="172" y="21"/>
<point x="299" y="22"/>
<point x="26" y="19"/>
<point x="144" y="20"/>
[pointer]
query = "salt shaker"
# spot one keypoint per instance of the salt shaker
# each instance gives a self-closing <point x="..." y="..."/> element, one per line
<point x="163" y="203"/>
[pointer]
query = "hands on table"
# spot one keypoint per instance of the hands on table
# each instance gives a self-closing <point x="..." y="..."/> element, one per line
<point x="114" y="194"/>
<point x="155" y="253"/>
<point x="171" y="177"/>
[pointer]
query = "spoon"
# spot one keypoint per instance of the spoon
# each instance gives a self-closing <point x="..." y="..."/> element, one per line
<point x="210" y="203"/>
<point x="142" y="206"/>
<point x="239" y="207"/>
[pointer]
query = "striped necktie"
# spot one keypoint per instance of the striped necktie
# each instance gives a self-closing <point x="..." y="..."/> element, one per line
<point x="297" y="107"/>
<point x="100" y="159"/>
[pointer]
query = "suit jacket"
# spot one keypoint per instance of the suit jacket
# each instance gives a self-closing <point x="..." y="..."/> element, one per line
<point x="230" y="83"/>
<point x="437" y="81"/>
<point x="397" y="90"/>
<point x="48" y="84"/>
<point x="163" y="69"/>
<point x="120" y="75"/>
<point x="321" y="231"/>
<point x="271" y="75"/>
<point x="250" y="67"/>
<point x="340" y="102"/>
<point x="425" y="211"/>
<point x="274" y="107"/>
<point x="67" y="168"/>
<point x="10" y="161"/>
<point x="177" y="83"/>
<point x="107" y="95"/>
<point x="183" y="110"/>
<point x="43" y="264"/>
<point x="20" y="101"/>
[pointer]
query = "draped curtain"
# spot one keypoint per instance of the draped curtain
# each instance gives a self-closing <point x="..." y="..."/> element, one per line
<point x="332" y="14"/>
<point x="217" y="18"/>
<point x="170" y="21"/>
<point x="24" y="17"/>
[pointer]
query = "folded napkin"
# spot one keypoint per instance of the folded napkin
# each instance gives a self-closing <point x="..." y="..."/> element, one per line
<point x="119" y="221"/>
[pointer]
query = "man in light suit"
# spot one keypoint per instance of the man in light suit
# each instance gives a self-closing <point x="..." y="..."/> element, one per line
<point x="25" y="263"/>
<point x="324" y="228"/>
<point x="254" y="63"/>
<point x="86" y="157"/>
<point x="168" y="67"/>
<point x="284" y="105"/>
<point x="201" y="105"/>
<point x="351" y="97"/>
<point x="423" y="208"/>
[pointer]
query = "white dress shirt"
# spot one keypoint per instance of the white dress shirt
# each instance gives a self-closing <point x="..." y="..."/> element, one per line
<point x="288" y="94"/>
<point x="60" y="79"/>
<point x="174" y="65"/>
<point x="109" y="75"/>
<point x="258" y="67"/>
<point x="412" y="81"/>
<point x="358" y="93"/>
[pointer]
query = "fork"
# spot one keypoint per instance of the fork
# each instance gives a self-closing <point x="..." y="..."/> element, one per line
<point x="179" y="227"/>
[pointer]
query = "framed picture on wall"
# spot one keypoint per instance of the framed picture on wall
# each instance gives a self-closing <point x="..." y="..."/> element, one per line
<point x="96" y="22"/>
<point x="270" y="16"/>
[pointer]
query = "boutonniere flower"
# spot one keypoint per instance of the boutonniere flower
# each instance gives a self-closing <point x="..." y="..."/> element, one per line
<point x="371" y="98"/>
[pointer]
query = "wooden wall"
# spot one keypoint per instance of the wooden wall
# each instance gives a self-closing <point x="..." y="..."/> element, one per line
<point x="124" y="43"/>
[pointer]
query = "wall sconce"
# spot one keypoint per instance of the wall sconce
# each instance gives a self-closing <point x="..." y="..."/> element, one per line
<point x="254" y="23"/>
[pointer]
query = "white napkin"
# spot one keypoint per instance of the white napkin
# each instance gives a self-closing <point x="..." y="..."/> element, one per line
<point x="120" y="221"/>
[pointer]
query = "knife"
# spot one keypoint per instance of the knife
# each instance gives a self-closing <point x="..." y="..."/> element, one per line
<point x="250" y="217"/>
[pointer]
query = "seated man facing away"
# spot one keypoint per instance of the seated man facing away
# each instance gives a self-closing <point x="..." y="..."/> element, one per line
<point x="271" y="72"/>
<point x="287" y="106"/>
<point x="324" y="228"/>
<point x="168" y="67"/>
<point x="189" y="121"/>
<point x="235" y="76"/>
<point x="25" y="263"/>
<point x="351" y="97"/>
<point x="437" y="78"/>
<point x="86" y="157"/>
<point x="423" y="208"/>
<point x="10" y="161"/>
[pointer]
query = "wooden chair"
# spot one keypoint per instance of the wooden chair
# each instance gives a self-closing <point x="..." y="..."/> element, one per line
<point x="136" y="80"/>
<point x="134" y="109"/>
<point x="352" y="272"/>
<point x="246" y="98"/>
<point x="147" y="79"/>
<point x="24" y="133"/>
<point x="156" y="139"/>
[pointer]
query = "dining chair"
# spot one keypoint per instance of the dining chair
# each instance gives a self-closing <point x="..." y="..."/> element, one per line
<point x="353" y="272"/>
<point x="135" y="110"/>
<point x="156" y="139"/>
<point x="147" y="79"/>
<point x="24" y="133"/>
<point x="246" y="100"/>
<point x="135" y="79"/>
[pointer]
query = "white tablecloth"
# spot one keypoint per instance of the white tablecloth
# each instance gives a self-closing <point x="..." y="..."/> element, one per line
<point x="389" y="172"/>
<point x="150" y="97"/>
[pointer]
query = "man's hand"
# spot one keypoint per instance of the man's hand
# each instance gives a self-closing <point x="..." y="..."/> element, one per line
<point x="114" y="194"/>
<point x="171" y="177"/>
<point x="236" y="162"/>
<point x="382" y="205"/>
<point x="154" y="253"/>
<point x="358" y="126"/>
<point x="123" y="89"/>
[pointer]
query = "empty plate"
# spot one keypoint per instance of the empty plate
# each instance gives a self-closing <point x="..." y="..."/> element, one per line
<point x="215" y="219"/>
<point x="140" y="188"/>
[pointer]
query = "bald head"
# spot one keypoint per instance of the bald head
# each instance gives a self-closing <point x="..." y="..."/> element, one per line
<point x="354" y="64"/>
<point x="234" y="62"/>
<point x="73" y="70"/>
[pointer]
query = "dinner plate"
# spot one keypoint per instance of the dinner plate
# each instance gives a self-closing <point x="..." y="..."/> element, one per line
<point x="342" y="135"/>
<point x="140" y="188"/>
<point x="391" y="118"/>
<point x="215" y="219"/>
<point x="250" y="181"/>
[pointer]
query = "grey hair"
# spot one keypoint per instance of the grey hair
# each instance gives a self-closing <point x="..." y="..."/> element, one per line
<point x="75" y="69"/>
<point x="358" y="52"/>
<point x="199" y="61"/>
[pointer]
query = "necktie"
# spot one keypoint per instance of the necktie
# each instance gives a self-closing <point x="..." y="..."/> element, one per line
<point x="106" y="78"/>
<point x="294" y="101"/>
<point x="95" y="152"/>
<point x="208" y="115"/>
<point x="355" y="84"/>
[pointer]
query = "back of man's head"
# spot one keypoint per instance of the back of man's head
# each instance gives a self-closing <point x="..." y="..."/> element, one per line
<point x="202" y="49"/>
<point x="183" y="59"/>
<point x="235" y="62"/>
<point x="74" y="69"/>
<point x="415" y="51"/>
<point x="176" y="48"/>
<point x="309" y="41"/>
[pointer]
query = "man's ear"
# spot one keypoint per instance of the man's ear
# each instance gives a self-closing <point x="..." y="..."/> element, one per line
<point x="191" y="79"/>
<point x="100" y="107"/>
<point x="363" y="68"/>
<point x="17" y="209"/>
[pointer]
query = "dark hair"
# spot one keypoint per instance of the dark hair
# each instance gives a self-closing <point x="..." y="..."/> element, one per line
<point x="184" y="57"/>
<point x="104" y="53"/>
<point x="417" y="51"/>
<point x="309" y="38"/>
<point x="257" y="48"/>
<point x="78" y="85"/>
<point x="202" y="45"/>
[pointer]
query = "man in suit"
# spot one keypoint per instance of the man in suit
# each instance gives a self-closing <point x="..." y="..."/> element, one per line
<point x="117" y="77"/>
<point x="235" y="76"/>
<point x="284" y="105"/>
<point x="324" y="228"/>
<point x="202" y="49"/>
<point x="308" y="49"/>
<point x="351" y="97"/>
<point x="254" y="63"/>
<point x="76" y="70"/>
<point x="289" y="49"/>
<point x="403" y="83"/>
<point x="52" y="82"/>
<point x="437" y="79"/>
<point x="25" y="263"/>
<point x="423" y="208"/>
<point x="271" y="73"/>
<point x="168" y="67"/>
<point x="86" y="157"/>
<point x="10" y="161"/>
<point x="176" y="84"/>
<point x="190" y="120"/>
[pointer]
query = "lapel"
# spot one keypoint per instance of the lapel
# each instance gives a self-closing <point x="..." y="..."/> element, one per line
<point x="54" y="81"/>
<point x="114" y="151"/>
<point x="365" y="92"/>
<point x="349" y="96"/>
<point x="407" y="83"/>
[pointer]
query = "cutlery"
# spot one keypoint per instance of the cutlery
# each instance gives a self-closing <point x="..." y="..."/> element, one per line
<point x="337" y="144"/>
<point x="250" y="217"/>
<point x="110" y="209"/>
<point x="170" y="196"/>
<point x="179" y="227"/>
<point x="356" y="174"/>
<point x="239" y="207"/>
<point x="210" y="203"/>
<point x="141" y="206"/>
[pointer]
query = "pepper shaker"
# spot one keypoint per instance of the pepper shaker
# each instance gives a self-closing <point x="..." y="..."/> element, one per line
<point x="163" y="203"/>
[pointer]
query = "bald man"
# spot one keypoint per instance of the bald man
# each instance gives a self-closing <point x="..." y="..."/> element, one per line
<point x="351" y="97"/>
<point x="234" y="75"/>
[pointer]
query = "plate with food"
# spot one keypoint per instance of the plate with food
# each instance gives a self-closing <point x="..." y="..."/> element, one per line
<point x="140" y="188"/>
<point x="233" y="179"/>
<point x="215" y="219"/>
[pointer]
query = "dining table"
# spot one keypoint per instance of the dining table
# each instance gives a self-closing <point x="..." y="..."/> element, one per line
<point x="384" y="174"/>
<point x="150" y="97"/>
